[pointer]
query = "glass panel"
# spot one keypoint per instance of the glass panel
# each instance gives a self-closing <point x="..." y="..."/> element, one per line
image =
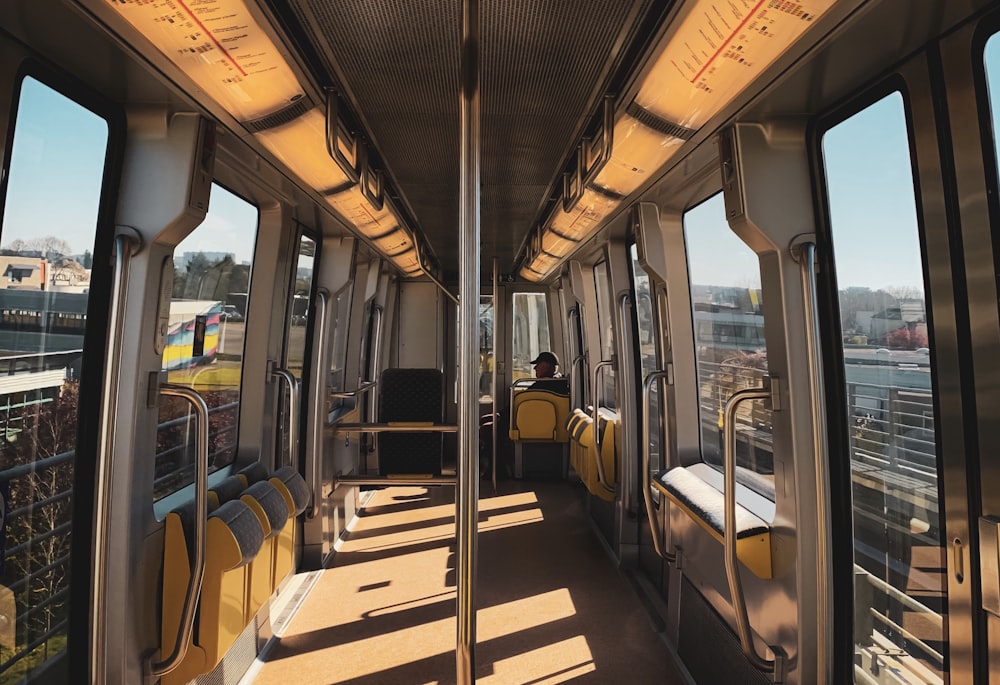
<point x="991" y="58"/>
<point x="296" y="342"/>
<point x="204" y="349"/>
<point x="605" y="332"/>
<point x="531" y="332"/>
<point x="729" y="341"/>
<point x="48" y="235"/>
<point x="642" y="296"/>
<point x="340" y="315"/>
<point x="486" y="349"/>
<point x="295" y="348"/>
<point x="900" y="570"/>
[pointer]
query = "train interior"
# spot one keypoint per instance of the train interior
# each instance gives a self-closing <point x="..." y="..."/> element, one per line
<point x="283" y="284"/>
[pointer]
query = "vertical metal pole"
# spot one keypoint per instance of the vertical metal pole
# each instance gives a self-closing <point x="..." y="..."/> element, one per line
<point x="494" y="421"/>
<point x="467" y="496"/>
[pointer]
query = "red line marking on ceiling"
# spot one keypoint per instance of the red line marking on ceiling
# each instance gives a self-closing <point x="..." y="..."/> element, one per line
<point x="726" y="42"/>
<point x="209" y="34"/>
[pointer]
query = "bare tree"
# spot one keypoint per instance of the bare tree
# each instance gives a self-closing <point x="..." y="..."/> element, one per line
<point x="903" y="293"/>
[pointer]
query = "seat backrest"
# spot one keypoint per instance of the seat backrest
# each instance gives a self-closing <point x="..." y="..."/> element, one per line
<point x="233" y="538"/>
<point x="414" y="396"/>
<point x="535" y="419"/>
<point x="539" y="415"/>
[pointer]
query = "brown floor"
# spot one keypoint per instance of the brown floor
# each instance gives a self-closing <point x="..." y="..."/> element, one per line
<point x="553" y="607"/>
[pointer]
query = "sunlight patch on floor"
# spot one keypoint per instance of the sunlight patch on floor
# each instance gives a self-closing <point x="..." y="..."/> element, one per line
<point x="522" y="614"/>
<point x="560" y="662"/>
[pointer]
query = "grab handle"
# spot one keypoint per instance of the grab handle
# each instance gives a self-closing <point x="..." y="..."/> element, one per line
<point x="186" y="627"/>
<point x="601" y="475"/>
<point x="654" y="523"/>
<point x="293" y="407"/>
<point x="732" y="566"/>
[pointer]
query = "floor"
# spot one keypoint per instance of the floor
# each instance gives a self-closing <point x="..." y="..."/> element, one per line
<point x="553" y="607"/>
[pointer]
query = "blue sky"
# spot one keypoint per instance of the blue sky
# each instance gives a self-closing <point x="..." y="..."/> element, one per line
<point x="56" y="172"/>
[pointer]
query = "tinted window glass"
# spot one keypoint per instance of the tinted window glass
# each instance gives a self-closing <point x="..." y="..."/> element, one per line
<point x="48" y="235"/>
<point x="900" y="575"/>
<point x="530" y="332"/>
<point x="204" y="346"/>
<point x="729" y="338"/>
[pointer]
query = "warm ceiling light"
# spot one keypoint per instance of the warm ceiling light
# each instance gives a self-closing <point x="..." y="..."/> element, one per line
<point x="717" y="50"/>
<point x="527" y="274"/>
<point x="407" y="262"/>
<point x="637" y="154"/>
<point x="557" y="244"/>
<point x="358" y="211"/>
<point x="300" y="145"/>
<point x="220" y="46"/>
<point x="586" y="216"/>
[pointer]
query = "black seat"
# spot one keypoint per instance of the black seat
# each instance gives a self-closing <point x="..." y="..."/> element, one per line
<point x="411" y="396"/>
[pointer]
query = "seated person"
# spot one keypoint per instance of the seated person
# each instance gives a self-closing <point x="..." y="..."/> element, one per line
<point x="545" y="365"/>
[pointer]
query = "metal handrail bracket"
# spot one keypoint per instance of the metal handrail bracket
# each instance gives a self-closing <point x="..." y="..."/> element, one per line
<point x="125" y="246"/>
<point x="348" y="394"/>
<point x="777" y="666"/>
<point x="185" y="629"/>
<point x="647" y="498"/>
<point x="601" y="475"/>
<point x="293" y="407"/>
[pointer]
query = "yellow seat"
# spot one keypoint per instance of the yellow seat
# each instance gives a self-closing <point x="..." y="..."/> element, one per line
<point x="233" y="537"/>
<point x="296" y="494"/>
<point x="539" y="416"/>
<point x="269" y="506"/>
<point x="583" y="451"/>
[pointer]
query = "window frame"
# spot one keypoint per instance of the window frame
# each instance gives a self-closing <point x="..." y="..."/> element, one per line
<point x="831" y="335"/>
<point x="95" y="337"/>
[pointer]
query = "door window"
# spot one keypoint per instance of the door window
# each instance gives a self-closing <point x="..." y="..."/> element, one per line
<point x="47" y="245"/>
<point x="900" y="574"/>
<point x="642" y="294"/>
<point x="726" y="304"/>
<point x="204" y="346"/>
<point x="531" y="332"/>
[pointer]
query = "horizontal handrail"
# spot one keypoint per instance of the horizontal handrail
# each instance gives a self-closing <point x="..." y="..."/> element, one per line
<point x="393" y="428"/>
<point x="361" y="389"/>
<point x="901" y="597"/>
<point x="908" y="636"/>
<point x="394" y="480"/>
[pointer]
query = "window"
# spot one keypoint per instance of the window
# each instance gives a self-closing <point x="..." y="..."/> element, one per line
<point x="605" y="331"/>
<point x="991" y="60"/>
<point x="486" y="349"/>
<point x="340" y="317"/>
<point x="642" y="296"/>
<point x="204" y="348"/>
<point x="298" y="320"/>
<point x="729" y="339"/>
<point x="531" y="332"/>
<point x="900" y="574"/>
<point x="50" y="223"/>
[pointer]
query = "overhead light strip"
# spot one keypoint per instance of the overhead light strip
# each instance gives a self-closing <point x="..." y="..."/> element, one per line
<point x="227" y="54"/>
<point x="717" y="50"/>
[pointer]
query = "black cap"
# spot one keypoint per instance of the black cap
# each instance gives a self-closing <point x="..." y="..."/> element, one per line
<point x="546" y="357"/>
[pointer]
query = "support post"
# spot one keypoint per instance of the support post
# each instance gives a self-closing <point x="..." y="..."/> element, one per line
<point x="467" y="496"/>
